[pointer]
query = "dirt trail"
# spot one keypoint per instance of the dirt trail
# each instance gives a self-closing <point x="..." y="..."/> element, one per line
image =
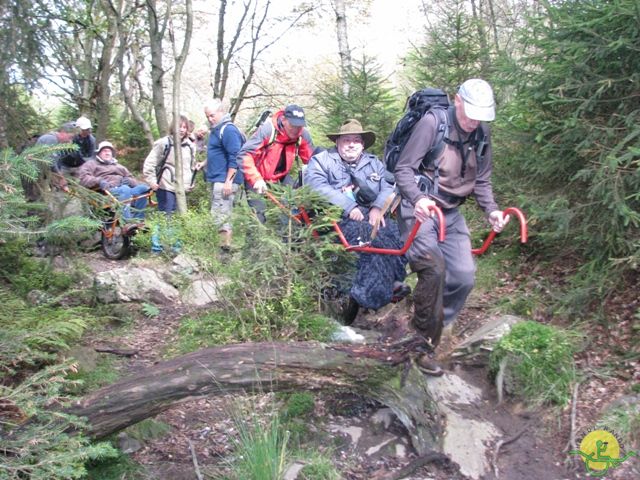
<point x="532" y="444"/>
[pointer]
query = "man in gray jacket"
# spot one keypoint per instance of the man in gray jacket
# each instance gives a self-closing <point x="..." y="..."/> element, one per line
<point x="354" y="180"/>
<point x="446" y="270"/>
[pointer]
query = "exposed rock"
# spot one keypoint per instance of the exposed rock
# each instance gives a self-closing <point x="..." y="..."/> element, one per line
<point x="128" y="444"/>
<point x="38" y="297"/>
<point x="86" y="357"/>
<point x="477" y="348"/>
<point x="134" y="284"/>
<point x="293" y="470"/>
<point x="202" y="292"/>
<point x="186" y="264"/>
<point x="62" y="205"/>
<point x="466" y="440"/>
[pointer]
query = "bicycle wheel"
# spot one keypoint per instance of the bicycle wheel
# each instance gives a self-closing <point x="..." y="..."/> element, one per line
<point x="115" y="244"/>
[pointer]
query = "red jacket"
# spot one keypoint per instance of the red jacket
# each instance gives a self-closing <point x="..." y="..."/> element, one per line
<point x="260" y="155"/>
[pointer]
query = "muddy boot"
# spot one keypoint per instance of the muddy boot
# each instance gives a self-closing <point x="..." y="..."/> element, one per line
<point x="427" y="365"/>
<point x="428" y="309"/>
<point x="225" y="241"/>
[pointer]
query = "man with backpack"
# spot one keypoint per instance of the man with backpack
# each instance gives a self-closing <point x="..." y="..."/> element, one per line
<point x="447" y="158"/>
<point x="221" y="168"/>
<point x="268" y="156"/>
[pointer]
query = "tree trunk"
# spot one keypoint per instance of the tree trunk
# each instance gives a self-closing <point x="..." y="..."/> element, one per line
<point x="127" y="93"/>
<point x="252" y="367"/>
<point x="181" y="197"/>
<point x="157" y="26"/>
<point x="102" y="90"/>
<point x="343" y="42"/>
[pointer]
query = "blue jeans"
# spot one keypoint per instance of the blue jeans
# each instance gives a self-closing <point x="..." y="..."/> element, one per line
<point x="136" y="208"/>
<point x="167" y="202"/>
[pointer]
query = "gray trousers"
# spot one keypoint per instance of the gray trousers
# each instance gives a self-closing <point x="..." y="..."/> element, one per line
<point x="446" y="271"/>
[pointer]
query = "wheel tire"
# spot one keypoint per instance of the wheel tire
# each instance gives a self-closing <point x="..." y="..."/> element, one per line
<point x="115" y="246"/>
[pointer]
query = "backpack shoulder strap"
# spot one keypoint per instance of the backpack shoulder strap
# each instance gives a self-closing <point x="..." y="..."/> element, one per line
<point x="432" y="157"/>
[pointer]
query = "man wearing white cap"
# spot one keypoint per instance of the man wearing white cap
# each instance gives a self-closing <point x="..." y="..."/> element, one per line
<point x="85" y="140"/>
<point x="446" y="271"/>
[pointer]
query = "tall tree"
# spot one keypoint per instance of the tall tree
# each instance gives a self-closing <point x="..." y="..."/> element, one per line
<point x="451" y="52"/>
<point x="369" y="99"/>
<point x="255" y="32"/>
<point x="343" y="41"/>
<point x="157" y="21"/>
<point x="21" y="63"/>
<point x="181" y="57"/>
<point x="579" y="99"/>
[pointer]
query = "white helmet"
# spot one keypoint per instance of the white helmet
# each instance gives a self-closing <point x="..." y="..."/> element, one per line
<point x="106" y="144"/>
<point x="83" y="123"/>
<point x="478" y="100"/>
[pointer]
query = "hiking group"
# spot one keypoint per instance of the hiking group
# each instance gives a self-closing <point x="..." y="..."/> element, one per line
<point x="439" y="154"/>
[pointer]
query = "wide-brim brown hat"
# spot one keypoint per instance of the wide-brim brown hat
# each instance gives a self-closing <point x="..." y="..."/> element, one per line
<point x="354" y="127"/>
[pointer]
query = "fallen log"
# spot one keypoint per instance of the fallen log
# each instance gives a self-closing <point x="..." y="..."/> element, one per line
<point x="252" y="367"/>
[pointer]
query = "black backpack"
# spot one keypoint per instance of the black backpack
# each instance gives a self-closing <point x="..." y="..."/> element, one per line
<point x="420" y="102"/>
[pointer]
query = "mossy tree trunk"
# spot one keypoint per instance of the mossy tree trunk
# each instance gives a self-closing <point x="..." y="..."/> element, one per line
<point x="252" y="367"/>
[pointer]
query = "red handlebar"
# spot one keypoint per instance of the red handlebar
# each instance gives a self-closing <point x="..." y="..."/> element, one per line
<point x="367" y="248"/>
<point x="523" y="231"/>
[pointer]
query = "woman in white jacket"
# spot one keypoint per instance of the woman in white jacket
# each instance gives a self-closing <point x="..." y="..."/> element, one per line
<point x="160" y="173"/>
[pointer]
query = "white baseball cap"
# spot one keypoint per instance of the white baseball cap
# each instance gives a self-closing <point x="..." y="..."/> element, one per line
<point x="83" y="123"/>
<point x="477" y="96"/>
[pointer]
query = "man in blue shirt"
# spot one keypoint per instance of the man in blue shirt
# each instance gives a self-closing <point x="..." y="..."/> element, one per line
<point x="221" y="168"/>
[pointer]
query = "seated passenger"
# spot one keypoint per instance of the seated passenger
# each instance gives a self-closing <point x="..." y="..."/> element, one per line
<point x="353" y="179"/>
<point x="105" y="173"/>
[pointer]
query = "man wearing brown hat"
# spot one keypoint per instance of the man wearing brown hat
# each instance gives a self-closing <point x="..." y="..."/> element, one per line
<point x="268" y="156"/>
<point x="354" y="180"/>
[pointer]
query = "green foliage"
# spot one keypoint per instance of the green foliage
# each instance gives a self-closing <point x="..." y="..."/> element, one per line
<point x="89" y="379"/>
<point x="67" y="232"/>
<point x="42" y="448"/>
<point x="452" y="51"/>
<point x="625" y="421"/>
<point x="299" y="404"/>
<point x="318" y="467"/>
<point x="539" y="360"/>
<point x="149" y="310"/>
<point x="577" y="99"/>
<point x="32" y="336"/>
<point x="16" y="215"/>
<point x="26" y="273"/>
<point x="273" y="285"/>
<point x="370" y="100"/>
<point x="261" y="447"/>
<point x="122" y="467"/>
<point x="148" y="429"/>
<point x="129" y="138"/>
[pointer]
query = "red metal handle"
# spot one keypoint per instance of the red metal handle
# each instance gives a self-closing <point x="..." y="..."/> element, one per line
<point x="366" y="248"/>
<point x="523" y="230"/>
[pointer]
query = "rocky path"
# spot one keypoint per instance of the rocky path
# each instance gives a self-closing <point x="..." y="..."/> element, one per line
<point x="484" y="440"/>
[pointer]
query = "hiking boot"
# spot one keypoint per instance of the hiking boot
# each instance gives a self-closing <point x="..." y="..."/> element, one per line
<point x="412" y="342"/>
<point x="400" y="290"/>
<point x="350" y="311"/>
<point x="429" y="366"/>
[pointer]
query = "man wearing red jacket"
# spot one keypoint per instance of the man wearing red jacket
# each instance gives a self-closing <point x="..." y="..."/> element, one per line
<point x="267" y="157"/>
